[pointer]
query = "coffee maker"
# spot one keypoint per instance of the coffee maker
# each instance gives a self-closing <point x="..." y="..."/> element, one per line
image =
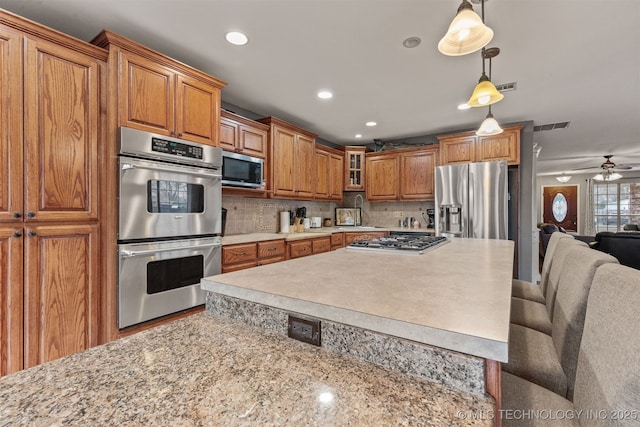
<point x="431" y="218"/>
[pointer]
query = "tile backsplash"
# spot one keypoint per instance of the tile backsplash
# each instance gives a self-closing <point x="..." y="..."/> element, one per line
<point x="248" y="215"/>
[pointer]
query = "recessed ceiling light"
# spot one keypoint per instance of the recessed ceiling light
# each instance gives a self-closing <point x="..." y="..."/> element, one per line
<point x="358" y="135"/>
<point x="325" y="94"/>
<point x="370" y="124"/>
<point x="236" y="38"/>
<point x="464" y="106"/>
<point x="411" y="42"/>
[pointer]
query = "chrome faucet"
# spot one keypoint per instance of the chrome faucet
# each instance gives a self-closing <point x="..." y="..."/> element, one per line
<point x="355" y="206"/>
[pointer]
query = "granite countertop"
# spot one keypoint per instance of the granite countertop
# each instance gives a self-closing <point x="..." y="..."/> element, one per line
<point x="457" y="296"/>
<point x="311" y="233"/>
<point x="208" y="371"/>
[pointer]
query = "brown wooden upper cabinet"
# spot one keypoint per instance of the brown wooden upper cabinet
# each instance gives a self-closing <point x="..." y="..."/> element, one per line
<point x="291" y="170"/>
<point x="467" y="147"/>
<point x="354" y="168"/>
<point x="404" y="174"/>
<point x="417" y="168"/>
<point x="244" y="136"/>
<point x="382" y="176"/>
<point x="50" y="149"/>
<point x="158" y="94"/>
<point x="329" y="173"/>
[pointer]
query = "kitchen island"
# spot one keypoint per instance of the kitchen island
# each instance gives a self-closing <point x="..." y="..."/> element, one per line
<point x="448" y="307"/>
<point x="208" y="371"/>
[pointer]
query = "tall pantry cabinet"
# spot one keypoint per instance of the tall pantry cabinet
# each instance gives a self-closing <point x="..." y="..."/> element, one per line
<point x="51" y="96"/>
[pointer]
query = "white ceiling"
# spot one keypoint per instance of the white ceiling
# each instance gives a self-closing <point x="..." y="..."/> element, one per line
<point x="573" y="60"/>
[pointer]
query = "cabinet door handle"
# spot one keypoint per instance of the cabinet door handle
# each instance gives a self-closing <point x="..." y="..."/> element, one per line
<point x="180" y="135"/>
<point x="17" y="214"/>
<point x="32" y="233"/>
<point x="17" y="234"/>
<point x="31" y="214"/>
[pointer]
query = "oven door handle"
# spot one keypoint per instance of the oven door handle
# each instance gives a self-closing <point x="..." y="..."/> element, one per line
<point x="209" y="173"/>
<point x="127" y="254"/>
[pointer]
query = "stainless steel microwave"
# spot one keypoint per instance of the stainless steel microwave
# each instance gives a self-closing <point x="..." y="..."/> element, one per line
<point x="240" y="170"/>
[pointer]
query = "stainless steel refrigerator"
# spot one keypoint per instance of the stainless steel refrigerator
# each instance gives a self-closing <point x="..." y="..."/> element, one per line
<point x="472" y="200"/>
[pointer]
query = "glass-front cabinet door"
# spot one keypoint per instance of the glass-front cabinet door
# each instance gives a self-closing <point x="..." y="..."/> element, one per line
<point x="354" y="168"/>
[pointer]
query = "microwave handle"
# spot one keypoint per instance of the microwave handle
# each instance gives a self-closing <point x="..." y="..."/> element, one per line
<point x="127" y="254"/>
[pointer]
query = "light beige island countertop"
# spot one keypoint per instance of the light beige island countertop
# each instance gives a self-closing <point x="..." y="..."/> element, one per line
<point x="456" y="297"/>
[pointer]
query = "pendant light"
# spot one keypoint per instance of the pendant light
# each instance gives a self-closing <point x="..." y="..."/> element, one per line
<point x="485" y="92"/>
<point x="563" y="178"/>
<point x="467" y="32"/>
<point x="489" y="126"/>
<point x="607" y="175"/>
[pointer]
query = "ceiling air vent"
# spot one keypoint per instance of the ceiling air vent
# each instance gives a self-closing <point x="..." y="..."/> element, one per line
<point x="551" y="126"/>
<point x="507" y="87"/>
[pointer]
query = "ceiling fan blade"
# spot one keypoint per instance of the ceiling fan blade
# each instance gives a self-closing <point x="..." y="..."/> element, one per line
<point x="593" y="168"/>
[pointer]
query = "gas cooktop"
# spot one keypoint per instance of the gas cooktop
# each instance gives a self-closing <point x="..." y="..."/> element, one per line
<point x="409" y="243"/>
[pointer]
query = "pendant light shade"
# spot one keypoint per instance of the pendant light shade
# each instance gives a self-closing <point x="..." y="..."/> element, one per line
<point x="485" y="93"/>
<point x="607" y="175"/>
<point x="467" y="33"/>
<point x="489" y="126"/>
<point x="563" y="178"/>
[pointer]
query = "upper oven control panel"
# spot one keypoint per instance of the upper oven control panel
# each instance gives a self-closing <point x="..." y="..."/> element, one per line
<point x="147" y="145"/>
<point x="176" y="148"/>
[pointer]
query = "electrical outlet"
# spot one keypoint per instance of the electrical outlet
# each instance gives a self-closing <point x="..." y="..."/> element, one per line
<point x="255" y="216"/>
<point x="304" y="330"/>
<point x="399" y="214"/>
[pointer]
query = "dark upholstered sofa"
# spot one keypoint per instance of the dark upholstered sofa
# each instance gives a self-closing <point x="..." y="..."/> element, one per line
<point x="624" y="245"/>
<point x="546" y="230"/>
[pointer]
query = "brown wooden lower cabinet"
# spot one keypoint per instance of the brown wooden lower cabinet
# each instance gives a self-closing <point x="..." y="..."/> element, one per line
<point x="11" y="296"/>
<point x="299" y="248"/>
<point x="337" y="241"/>
<point x="271" y="251"/>
<point x="239" y="257"/>
<point x="247" y="255"/>
<point x="312" y="246"/>
<point x="50" y="309"/>
<point x="320" y="245"/>
<point x="61" y="293"/>
<point x="350" y="237"/>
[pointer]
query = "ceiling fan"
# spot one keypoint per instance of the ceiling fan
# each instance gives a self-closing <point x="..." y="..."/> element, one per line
<point x="609" y="166"/>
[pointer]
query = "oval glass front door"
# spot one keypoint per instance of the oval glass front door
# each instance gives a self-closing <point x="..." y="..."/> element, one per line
<point x="559" y="207"/>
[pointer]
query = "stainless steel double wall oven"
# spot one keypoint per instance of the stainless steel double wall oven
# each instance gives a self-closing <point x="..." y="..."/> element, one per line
<point x="170" y="220"/>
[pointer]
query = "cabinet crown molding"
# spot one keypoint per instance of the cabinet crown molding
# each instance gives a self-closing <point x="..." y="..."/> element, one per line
<point x="276" y="121"/>
<point x="31" y="28"/>
<point x="232" y="116"/>
<point x="108" y="38"/>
